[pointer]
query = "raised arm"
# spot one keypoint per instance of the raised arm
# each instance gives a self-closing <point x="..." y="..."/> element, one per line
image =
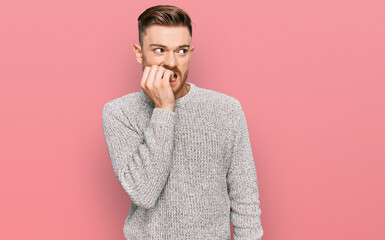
<point x="141" y="161"/>
<point x="243" y="185"/>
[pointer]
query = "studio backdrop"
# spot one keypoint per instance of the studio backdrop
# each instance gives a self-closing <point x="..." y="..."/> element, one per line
<point x="309" y="75"/>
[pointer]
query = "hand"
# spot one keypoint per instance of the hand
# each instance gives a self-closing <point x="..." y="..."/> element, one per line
<point x="156" y="85"/>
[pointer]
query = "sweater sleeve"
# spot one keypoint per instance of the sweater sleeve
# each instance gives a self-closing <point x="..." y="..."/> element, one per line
<point x="243" y="185"/>
<point x="141" y="161"/>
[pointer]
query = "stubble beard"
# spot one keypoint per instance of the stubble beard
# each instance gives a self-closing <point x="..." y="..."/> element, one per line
<point x="182" y="86"/>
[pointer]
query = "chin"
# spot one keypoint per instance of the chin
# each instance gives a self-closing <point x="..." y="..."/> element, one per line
<point x="177" y="87"/>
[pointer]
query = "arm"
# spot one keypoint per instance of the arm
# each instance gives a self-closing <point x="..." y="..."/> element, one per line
<point x="243" y="185"/>
<point x="140" y="162"/>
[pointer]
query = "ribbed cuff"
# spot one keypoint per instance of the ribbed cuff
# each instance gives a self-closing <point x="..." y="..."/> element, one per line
<point x="162" y="115"/>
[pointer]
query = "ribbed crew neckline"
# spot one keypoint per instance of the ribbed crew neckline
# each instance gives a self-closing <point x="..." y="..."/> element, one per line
<point x="179" y="101"/>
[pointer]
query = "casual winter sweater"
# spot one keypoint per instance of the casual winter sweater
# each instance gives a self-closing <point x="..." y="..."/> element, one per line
<point x="188" y="172"/>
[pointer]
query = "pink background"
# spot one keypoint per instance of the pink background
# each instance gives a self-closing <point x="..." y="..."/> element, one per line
<point x="309" y="74"/>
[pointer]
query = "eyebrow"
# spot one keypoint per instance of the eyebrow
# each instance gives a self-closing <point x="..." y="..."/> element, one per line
<point x="160" y="45"/>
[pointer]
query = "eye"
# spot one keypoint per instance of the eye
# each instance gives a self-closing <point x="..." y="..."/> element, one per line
<point x="183" y="49"/>
<point x="158" y="49"/>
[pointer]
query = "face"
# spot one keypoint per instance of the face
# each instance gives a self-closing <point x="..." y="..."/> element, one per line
<point x="169" y="47"/>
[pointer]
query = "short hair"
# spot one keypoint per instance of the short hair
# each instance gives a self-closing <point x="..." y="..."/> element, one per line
<point x="164" y="15"/>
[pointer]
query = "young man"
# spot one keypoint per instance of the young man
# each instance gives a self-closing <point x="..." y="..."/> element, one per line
<point x="182" y="153"/>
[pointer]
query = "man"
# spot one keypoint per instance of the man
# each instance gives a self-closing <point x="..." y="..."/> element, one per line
<point x="182" y="153"/>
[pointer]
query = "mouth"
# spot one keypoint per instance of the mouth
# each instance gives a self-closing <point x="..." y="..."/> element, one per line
<point x="173" y="78"/>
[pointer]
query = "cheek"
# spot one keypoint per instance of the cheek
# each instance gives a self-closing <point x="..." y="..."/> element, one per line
<point x="184" y="67"/>
<point x="150" y="60"/>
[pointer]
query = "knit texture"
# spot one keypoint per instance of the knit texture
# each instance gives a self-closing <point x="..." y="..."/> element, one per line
<point x="188" y="172"/>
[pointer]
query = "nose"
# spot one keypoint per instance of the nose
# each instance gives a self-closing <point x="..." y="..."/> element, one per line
<point x="171" y="60"/>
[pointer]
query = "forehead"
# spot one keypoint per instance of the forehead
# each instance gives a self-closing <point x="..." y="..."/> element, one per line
<point x="168" y="36"/>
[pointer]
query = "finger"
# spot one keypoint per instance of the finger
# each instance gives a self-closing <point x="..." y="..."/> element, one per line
<point x="151" y="76"/>
<point x="144" y="77"/>
<point x="158" y="75"/>
<point x="167" y="75"/>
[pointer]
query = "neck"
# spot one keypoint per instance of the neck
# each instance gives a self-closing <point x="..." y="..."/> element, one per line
<point x="185" y="89"/>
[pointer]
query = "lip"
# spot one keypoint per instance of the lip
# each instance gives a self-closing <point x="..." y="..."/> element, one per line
<point x="174" y="81"/>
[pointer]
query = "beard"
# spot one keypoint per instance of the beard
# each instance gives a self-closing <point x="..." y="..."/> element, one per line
<point x="182" y="85"/>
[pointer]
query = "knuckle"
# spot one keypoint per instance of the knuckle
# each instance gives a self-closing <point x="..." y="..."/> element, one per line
<point x="157" y="84"/>
<point x="160" y="84"/>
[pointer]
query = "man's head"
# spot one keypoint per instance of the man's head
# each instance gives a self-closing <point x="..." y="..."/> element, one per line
<point x="165" y="39"/>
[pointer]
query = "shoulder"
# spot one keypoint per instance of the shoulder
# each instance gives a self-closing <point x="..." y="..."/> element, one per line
<point x="117" y="105"/>
<point x="219" y="99"/>
<point x="224" y="108"/>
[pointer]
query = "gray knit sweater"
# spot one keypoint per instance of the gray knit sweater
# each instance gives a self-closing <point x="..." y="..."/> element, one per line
<point x="188" y="172"/>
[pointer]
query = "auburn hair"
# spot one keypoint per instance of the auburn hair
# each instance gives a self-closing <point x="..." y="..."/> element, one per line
<point x="165" y="15"/>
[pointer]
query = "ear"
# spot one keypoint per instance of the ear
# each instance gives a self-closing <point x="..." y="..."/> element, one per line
<point x="138" y="53"/>
<point x="192" y="49"/>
